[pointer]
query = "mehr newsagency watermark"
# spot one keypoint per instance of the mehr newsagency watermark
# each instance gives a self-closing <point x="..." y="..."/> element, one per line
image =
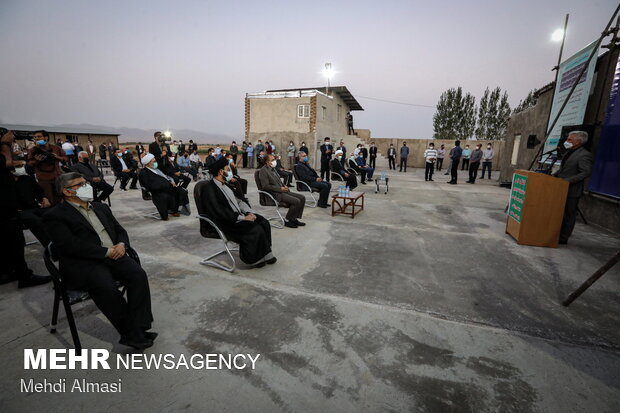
<point x="100" y="359"/>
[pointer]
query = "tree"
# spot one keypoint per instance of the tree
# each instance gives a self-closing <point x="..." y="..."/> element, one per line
<point x="455" y="116"/>
<point x="493" y="114"/>
<point x="529" y="101"/>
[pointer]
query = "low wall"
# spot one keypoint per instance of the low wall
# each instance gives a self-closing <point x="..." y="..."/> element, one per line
<point x="417" y="147"/>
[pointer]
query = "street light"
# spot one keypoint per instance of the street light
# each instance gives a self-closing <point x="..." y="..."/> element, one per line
<point x="167" y="134"/>
<point x="328" y="72"/>
<point x="557" y="35"/>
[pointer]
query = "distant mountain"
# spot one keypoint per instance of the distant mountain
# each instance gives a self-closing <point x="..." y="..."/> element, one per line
<point x="146" y="135"/>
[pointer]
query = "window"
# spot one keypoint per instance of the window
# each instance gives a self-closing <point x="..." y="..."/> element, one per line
<point x="515" y="150"/>
<point x="339" y="113"/>
<point x="303" y="111"/>
<point x="324" y="112"/>
<point x="72" y="138"/>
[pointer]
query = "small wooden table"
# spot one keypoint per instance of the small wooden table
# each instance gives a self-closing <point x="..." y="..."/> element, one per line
<point x="347" y="201"/>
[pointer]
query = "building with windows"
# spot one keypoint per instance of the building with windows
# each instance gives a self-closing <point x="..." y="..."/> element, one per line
<point x="298" y="115"/>
<point x="74" y="135"/>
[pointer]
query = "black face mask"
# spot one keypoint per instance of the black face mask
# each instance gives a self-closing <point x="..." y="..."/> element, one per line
<point x="86" y="160"/>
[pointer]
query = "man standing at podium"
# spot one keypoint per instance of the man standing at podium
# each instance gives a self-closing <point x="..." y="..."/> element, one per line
<point x="576" y="166"/>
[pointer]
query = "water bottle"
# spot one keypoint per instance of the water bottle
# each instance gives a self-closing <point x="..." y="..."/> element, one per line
<point x="340" y="191"/>
<point x="347" y="190"/>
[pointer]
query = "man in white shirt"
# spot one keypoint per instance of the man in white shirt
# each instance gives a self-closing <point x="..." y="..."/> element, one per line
<point x="430" y="156"/>
<point x="487" y="159"/>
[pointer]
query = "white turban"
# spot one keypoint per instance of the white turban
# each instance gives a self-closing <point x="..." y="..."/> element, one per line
<point x="147" y="158"/>
<point x="339" y="152"/>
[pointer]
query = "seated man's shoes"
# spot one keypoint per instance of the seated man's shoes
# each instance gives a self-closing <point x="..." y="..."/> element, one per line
<point x="150" y="335"/>
<point x="33" y="280"/>
<point x="271" y="260"/>
<point x="290" y="224"/>
<point x="175" y="214"/>
<point x="299" y="223"/>
<point x="137" y="342"/>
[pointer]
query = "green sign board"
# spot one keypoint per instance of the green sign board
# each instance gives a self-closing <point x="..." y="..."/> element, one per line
<point x="517" y="197"/>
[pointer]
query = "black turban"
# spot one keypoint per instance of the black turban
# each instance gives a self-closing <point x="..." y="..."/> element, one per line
<point x="217" y="166"/>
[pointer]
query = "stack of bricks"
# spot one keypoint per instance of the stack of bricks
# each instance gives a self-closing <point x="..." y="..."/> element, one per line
<point x="313" y="114"/>
<point x="247" y="118"/>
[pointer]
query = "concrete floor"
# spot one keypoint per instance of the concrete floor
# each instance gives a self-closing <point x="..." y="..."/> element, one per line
<point x="421" y="303"/>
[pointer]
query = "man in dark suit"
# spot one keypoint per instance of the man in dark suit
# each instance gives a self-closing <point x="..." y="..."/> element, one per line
<point x="309" y="176"/>
<point x="154" y="147"/>
<point x="91" y="248"/>
<point x="93" y="175"/>
<point x="123" y="170"/>
<point x="576" y="166"/>
<point x="326" y="155"/>
<point x="373" y="155"/>
<point x="392" y="156"/>
<point x="336" y="166"/>
<point x="271" y="182"/>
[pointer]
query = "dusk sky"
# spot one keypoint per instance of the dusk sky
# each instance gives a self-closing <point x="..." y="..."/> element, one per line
<point x="188" y="64"/>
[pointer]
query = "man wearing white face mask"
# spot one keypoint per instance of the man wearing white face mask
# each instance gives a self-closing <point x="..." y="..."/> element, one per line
<point x="575" y="168"/>
<point x="91" y="248"/>
<point x="271" y="182"/>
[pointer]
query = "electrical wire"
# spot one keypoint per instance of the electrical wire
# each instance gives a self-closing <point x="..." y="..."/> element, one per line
<point x="396" y="103"/>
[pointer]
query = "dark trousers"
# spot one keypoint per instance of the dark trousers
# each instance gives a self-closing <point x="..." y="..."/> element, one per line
<point x="465" y="166"/>
<point x="193" y="172"/>
<point x="126" y="176"/>
<point x="350" y="181"/>
<point x="428" y="171"/>
<point x="49" y="191"/>
<point x="373" y="161"/>
<point x="169" y="200"/>
<point x="486" y="165"/>
<point x="131" y="316"/>
<point x="439" y="163"/>
<point x="403" y="161"/>
<point x="103" y="190"/>
<point x="12" y="248"/>
<point x="351" y="131"/>
<point x="324" y="188"/>
<point x="244" y="158"/>
<point x="296" y="204"/>
<point x="392" y="162"/>
<point x="184" y="180"/>
<point x="31" y="219"/>
<point x="325" y="169"/>
<point x="570" y="216"/>
<point x="454" y="170"/>
<point x="287" y="177"/>
<point x="234" y="157"/>
<point x="473" y="171"/>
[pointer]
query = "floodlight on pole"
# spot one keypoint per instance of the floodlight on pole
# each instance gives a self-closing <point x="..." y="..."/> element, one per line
<point x="557" y="35"/>
<point x="328" y="72"/>
<point x="167" y="134"/>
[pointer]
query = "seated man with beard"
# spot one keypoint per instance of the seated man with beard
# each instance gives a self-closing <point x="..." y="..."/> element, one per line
<point x="235" y="217"/>
<point x="168" y="197"/>
<point x="336" y="166"/>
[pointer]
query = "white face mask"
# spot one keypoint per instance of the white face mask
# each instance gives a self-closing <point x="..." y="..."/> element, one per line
<point x="229" y="175"/>
<point x="20" y="171"/>
<point x="568" y="145"/>
<point x="85" y="193"/>
<point x="230" y="161"/>
<point x="273" y="164"/>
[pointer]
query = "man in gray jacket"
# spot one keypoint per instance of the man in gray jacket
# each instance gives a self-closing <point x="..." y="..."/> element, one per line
<point x="576" y="166"/>
<point x="270" y="182"/>
<point x="474" y="164"/>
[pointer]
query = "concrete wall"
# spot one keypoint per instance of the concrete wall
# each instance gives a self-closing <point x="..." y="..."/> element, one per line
<point x="417" y="147"/>
<point x="277" y="115"/>
<point x="333" y="126"/>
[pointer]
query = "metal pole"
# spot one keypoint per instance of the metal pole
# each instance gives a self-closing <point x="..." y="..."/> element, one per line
<point x="557" y="68"/>
<point x="598" y="274"/>
<point x="604" y="34"/>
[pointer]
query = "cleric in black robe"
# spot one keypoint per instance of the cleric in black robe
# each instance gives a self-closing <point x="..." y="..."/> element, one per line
<point x="235" y="217"/>
<point x="168" y="197"/>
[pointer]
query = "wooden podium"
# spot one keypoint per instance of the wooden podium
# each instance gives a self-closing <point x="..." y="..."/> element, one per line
<point x="536" y="208"/>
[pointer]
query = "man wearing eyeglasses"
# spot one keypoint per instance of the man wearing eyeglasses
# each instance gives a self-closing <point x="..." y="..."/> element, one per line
<point x="91" y="247"/>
